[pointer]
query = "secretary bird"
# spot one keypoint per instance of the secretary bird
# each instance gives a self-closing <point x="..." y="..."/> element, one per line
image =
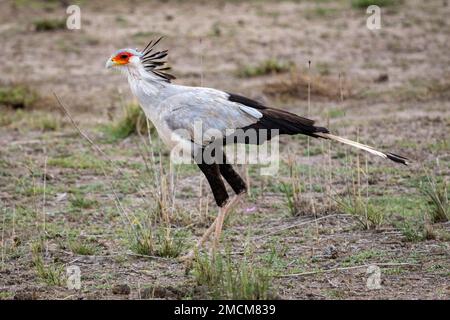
<point x="174" y="109"/>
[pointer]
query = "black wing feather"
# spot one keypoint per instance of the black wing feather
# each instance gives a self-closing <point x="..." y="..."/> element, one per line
<point x="286" y="122"/>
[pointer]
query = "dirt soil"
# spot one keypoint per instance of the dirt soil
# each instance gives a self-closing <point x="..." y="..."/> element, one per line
<point x="388" y="87"/>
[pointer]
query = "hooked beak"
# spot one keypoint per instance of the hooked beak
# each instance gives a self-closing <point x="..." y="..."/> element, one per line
<point x="110" y="63"/>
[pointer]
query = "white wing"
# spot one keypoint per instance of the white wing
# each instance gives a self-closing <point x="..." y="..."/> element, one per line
<point x="207" y="111"/>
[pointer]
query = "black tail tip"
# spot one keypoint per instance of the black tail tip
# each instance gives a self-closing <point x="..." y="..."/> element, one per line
<point x="396" y="158"/>
<point x="321" y="130"/>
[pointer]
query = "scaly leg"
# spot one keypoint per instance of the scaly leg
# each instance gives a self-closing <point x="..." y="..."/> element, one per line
<point x="216" y="225"/>
<point x="219" y="226"/>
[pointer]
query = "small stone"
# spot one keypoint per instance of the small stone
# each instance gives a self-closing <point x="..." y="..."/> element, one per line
<point x="47" y="177"/>
<point x="382" y="78"/>
<point x="121" y="289"/>
<point x="330" y="252"/>
<point x="159" y="293"/>
<point x="61" y="196"/>
<point x="25" y="295"/>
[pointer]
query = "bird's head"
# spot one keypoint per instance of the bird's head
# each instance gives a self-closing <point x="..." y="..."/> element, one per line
<point x="124" y="58"/>
<point x="147" y="60"/>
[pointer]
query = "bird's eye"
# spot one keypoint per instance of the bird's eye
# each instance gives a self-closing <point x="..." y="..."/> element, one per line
<point x="124" y="56"/>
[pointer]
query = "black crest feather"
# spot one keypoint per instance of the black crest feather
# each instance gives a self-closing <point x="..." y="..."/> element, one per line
<point x="152" y="60"/>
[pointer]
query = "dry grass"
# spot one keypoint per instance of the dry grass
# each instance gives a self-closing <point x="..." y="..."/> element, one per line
<point x="51" y="273"/>
<point x="132" y="121"/>
<point x="17" y="96"/>
<point x="363" y="4"/>
<point x="437" y="195"/>
<point x="48" y="25"/>
<point x="228" y="279"/>
<point x="357" y="201"/>
<point x="295" y="86"/>
<point x="297" y="201"/>
<point x="267" y="67"/>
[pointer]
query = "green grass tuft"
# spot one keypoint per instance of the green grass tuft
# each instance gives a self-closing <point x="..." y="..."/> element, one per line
<point x="436" y="193"/>
<point x="17" y="96"/>
<point x="413" y="232"/>
<point x="81" y="202"/>
<point x="362" y="257"/>
<point x="45" y="122"/>
<point x="296" y="203"/>
<point x="363" y="4"/>
<point x="334" y="113"/>
<point x="82" y="248"/>
<point x="36" y="120"/>
<point x="226" y="279"/>
<point x="270" y="66"/>
<point x="366" y="213"/>
<point x="78" y="161"/>
<point x="44" y="25"/>
<point x="132" y="122"/>
<point x="51" y="274"/>
<point x="161" y="241"/>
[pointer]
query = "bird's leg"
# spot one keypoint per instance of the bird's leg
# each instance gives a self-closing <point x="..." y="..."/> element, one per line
<point x="200" y="242"/>
<point x="218" y="229"/>
<point x="190" y="255"/>
<point x="223" y="212"/>
<point x="239" y="187"/>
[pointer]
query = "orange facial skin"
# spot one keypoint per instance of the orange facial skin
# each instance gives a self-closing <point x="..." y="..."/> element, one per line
<point x="122" y="58"/>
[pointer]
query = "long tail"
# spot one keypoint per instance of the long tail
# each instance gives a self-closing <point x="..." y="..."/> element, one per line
<point x="390" y="156"/>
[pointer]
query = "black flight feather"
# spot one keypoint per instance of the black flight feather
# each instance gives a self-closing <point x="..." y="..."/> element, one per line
<point x="285" y="122"/>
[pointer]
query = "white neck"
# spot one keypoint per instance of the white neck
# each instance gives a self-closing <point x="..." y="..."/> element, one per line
<point x="144" y="83"/>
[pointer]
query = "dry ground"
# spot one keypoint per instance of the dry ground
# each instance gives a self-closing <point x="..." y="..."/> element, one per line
<point x="391" y="85"/>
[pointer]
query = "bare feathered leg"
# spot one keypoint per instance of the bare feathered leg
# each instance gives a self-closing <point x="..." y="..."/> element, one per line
<point x="216" y="226"/>
<point x="223" y="213"/>
<point x="214" y="173"/>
